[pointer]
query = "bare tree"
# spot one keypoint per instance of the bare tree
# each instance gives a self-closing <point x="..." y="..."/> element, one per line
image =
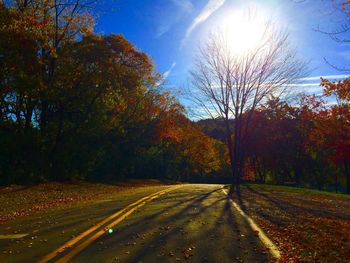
<point x="339" y="15"/>
<point x="230" y="86"/>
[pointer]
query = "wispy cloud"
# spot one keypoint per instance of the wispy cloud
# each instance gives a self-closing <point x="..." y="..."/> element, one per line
<point x="184" y="6"/>
<point x="303" y="84"/>
<point x="162" y="29"/>
<point x="204" y="14"/>
<point x="310" y="88"/>
<point x="167" y="73"/>
<point x="342" y="76"/>
<point x="309" y="82"/>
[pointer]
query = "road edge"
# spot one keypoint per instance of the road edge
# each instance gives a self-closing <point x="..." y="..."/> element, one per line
<point x="273" y="249"/>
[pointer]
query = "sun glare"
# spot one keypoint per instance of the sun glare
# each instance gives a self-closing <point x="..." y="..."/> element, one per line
<point x="243" y="31"/>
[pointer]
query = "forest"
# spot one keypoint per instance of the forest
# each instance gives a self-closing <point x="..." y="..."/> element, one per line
<point x="78" y="105"/>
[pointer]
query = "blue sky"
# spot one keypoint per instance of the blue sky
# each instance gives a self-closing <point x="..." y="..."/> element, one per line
<point x="171" y="30"/>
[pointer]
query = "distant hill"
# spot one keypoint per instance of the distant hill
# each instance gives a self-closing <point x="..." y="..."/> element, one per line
<point x="213" y="127"/>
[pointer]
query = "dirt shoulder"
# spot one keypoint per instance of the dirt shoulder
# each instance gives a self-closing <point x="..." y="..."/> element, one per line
<point x="306" y="225"/>
<point x="18" y="201"/>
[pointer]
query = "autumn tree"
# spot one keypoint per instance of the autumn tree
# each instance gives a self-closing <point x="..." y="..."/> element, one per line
<point x="33" y="34"/>
<point x="39" y="30"/>
<point x="76" y="105"/>
<point x="276" y="143"/>
<point x="338" y="129"/>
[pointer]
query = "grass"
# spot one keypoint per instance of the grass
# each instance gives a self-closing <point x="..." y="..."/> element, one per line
<point x="307" y="225"/>
<point x="298" y="190"/>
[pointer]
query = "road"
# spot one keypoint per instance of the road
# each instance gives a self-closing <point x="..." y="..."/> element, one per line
<point x="187" y="223"/>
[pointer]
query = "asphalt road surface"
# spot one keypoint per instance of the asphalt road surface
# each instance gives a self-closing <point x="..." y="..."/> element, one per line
<point x="187" y="223"/>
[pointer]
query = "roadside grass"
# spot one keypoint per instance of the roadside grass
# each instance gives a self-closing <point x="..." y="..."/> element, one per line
<point x="18" y="200"/>
<point x="298" y="190"/>
<point x="307" y="225"/>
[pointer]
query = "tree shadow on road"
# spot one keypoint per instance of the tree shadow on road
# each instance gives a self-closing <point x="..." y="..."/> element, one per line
<point x="199" y="228"/>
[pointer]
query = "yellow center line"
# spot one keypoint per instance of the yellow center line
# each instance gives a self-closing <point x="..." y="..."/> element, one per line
<point x="87" y="242"/>
<point x="76" y="239"/>
<point x="13" y="236"/>
<point x="98" y="234"/>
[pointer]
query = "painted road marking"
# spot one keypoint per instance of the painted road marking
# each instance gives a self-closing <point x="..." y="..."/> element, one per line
<point x="13" y="236"/>
<point x="73" y="241"/>
<point x="103" y="201"/>
<point x="87" y="242"/>
<point x="262" y="236"/>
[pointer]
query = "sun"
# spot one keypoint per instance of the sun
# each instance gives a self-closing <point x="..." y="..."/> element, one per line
<point x="244" y="31"/>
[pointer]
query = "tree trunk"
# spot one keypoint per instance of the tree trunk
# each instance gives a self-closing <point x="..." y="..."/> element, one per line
<point x="347" y="176"/>
<point x="298" y="171"/>
<point x="54" y="169"/>
<point x="230" y="151"/>
<point x="236" y="153"/>
<point x="336" y="183"/>
<point x="28" y="117"/>
<point x="43" y="116"/>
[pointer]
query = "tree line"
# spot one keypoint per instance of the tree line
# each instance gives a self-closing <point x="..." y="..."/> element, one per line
<point x="79" y="105"/>
<point x="304" y="142"/>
